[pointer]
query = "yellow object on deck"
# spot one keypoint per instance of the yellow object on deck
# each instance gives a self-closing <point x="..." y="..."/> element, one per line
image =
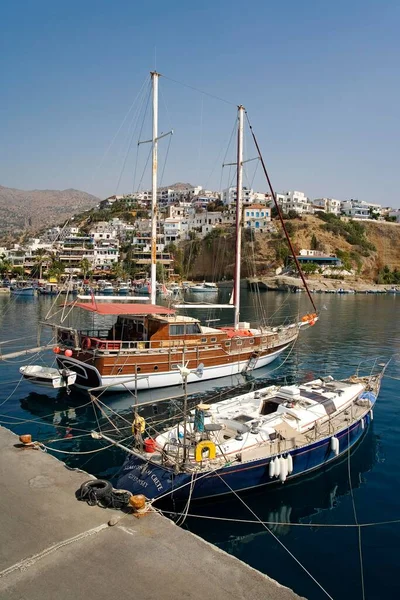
<point x="139" y="424"/>
<point x="205" y="444"/>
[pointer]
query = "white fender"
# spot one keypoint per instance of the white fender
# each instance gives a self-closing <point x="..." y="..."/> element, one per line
<point x="283" y="470"/>
<point x="271" y="469"/>
<point x="335" y="445"/>
<point x="290" y="464"/>
<point x="372" y="414"/>
<point x="362" y="423"/>
<point x="277" y="465"/>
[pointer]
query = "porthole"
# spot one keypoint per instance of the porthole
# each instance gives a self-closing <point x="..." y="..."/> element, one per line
<point x="204" y="340"/>
<point x="227" y="344"/>
<point x="213" y="340"/>
<point x="251" y="341"/>
<point x="238" y="342"/>
<point x="138" y="369"/>
<point x="156" y="367"/>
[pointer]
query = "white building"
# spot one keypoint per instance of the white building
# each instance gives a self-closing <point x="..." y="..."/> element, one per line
<point x="167" y="196"/>
<point x="249" y="196"/>
<point x="103" y="231"/>
<point x="294" y="200"/>
<point x="356" y="209"/>
<point x="395" y="212"/>
<point x="105" y="254"/>
<point x="175" y="229"/>
<point x="257" y="217"/>
<point x="328" y="205"/>
<point x="206" y="221"/>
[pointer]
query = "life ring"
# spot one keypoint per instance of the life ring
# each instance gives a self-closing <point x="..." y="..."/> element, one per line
<point x="138" y="425"/>
<point x="86" y="343"/>
<point x="212" y="451"/>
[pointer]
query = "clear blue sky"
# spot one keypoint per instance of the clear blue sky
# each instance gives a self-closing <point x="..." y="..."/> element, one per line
<point x="320" y="81"/>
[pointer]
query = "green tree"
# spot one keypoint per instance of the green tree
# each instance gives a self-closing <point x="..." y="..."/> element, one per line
<point x="85" y="266"/>
<point x="314" y="242"/>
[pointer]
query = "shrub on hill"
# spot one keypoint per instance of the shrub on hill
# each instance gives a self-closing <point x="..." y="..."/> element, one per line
<point x="352" y="231"/>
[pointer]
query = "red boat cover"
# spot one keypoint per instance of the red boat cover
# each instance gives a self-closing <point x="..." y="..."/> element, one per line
<point x="114" y="308"/>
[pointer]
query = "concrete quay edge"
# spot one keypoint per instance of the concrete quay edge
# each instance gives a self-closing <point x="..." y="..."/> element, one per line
<point x="54" y="546"/>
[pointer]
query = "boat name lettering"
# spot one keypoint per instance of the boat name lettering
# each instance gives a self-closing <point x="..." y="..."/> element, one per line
<point x="138" y="480"/>
<point x="157" y="482"/>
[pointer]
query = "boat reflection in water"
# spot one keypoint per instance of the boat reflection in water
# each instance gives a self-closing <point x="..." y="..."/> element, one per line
<point x="312" y="498"/>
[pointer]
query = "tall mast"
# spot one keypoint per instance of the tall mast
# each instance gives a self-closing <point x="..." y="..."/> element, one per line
<point x="239" y="187"/>
<point x="153" y="281"/>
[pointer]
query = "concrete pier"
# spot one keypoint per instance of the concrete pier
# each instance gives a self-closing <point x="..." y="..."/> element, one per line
<point x="54" y="547"/>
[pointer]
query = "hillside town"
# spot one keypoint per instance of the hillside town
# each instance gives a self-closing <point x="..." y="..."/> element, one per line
<point x="96" y="241"/>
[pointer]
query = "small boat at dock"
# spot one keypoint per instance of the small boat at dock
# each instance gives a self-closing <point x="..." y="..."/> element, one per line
<point x="48" y="376"/>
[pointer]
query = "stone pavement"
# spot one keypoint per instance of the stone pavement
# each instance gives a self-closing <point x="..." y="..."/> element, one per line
<point x="56" y="548"/>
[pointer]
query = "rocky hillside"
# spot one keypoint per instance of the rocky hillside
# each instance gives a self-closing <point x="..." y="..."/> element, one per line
<point x="22" y="211"/>
<point x="367" y="253"/>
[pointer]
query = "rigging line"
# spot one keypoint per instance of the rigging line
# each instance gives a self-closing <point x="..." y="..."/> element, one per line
<point x="275" y="537"/>
<point x="103" y="412"/>
<point x="191" y="87"/>
<point x="140" y="135"/>
<point x="113" y="411"/>
<point x="285" y="523"/>
<point x="40" y="422"/>
<point x="226" y="153"/>
<point x="280" y="215"/>
<point x="165" y="161"/>
<point x="28" y="337"/>
<point x="200" y="138"/>
<point x="49" y="448"/>
<point x="355" y="517"/>
<point x="166" y="107"/>
<point x="12" y="393"/>
<point x="145" y="167"/>
<point x="131" y="140"/>
<point x="147" y="78"/>
<point x="74" y="437"/>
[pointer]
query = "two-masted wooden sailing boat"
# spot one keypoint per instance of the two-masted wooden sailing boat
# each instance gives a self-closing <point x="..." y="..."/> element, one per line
<point x="146" y="343"/>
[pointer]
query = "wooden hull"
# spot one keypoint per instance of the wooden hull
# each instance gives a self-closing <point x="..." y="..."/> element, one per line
<point x="88" y="376"/>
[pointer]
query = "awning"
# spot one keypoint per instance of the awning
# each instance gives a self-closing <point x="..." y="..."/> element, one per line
<point x="116" y="308"/>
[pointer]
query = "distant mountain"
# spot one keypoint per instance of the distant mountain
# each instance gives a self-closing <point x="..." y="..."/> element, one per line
<point x="28" y="211"/>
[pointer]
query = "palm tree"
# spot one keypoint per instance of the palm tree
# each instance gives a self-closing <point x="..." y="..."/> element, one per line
<point x="85" y="266"/>
<point x="39" y="257"/>
<point x="56" y="267"/>
<point x="5" y="266"/>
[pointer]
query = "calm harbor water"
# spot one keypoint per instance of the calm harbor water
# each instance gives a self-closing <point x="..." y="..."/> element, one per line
<point x="352" y="328"/>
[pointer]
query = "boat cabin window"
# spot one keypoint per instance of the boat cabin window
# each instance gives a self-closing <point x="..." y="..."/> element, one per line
<point x="192" y="328"/>
<point x="176" y="330"/>
<point x="188" y="329"/>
